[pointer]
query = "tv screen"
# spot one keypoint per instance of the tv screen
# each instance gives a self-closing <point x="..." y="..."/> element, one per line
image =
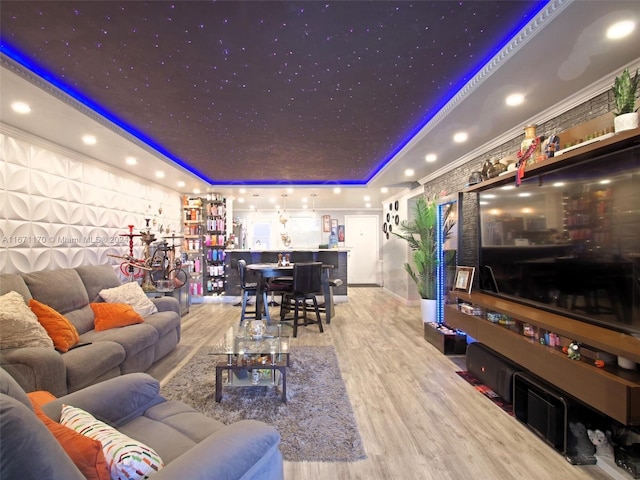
<point x="569" y="241"/>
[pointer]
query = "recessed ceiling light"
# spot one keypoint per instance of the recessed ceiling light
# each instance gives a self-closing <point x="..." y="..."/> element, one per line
<point x="460" y="137"/>
<point x="488" y="195"/>
<point x="131" y="161"/>
<point x="558" y="184"/>
<point x="272" y="200"/>
<point x="507" y="187"/>
<point x="620" y="29"/>
<point x="367" y="198"/>
<point x="409" y="172"/>
<point x="384" y="189"/>
<point x="604" y="182"/>
<point x="243" y="191"/>
<point x="20" y="107"/>
<point x="289" y="190"/>
<point x="524" y="194"/>
<point x="367" y="205"/>
<point x="305" y="206"/>
<point x="89" y="139"/>
<point x="181" y="184"/>
<point x="336" y="190"/>
<point x="160" y="174"/>
<point x="431" y="157"/>
<point x="241" y="200"/>
<point x="514" y="99"/>
<point x="196" y="191"/>
<point x="304" y="199"/>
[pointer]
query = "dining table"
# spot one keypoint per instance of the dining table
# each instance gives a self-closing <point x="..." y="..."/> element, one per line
<point x="274" y="270"/>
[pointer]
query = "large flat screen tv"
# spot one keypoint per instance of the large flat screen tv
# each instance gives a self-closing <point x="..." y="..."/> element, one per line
<point x="568" y="241"/>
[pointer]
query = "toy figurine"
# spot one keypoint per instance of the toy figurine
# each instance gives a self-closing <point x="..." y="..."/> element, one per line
<point x="604" y="448"/>
<point x="573" y="352"/>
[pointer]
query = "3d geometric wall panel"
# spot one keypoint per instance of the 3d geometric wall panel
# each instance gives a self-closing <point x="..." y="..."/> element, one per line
<point x="60" y="212"/>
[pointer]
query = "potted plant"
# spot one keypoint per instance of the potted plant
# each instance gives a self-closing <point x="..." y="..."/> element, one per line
<point x="421" y="235"/>
<point x="624" y="93"/>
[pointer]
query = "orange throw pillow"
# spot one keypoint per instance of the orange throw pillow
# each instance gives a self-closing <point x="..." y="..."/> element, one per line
<point x="85" y="452"/>
<point x="113" y="315"/>
<point x="58" y="327"/>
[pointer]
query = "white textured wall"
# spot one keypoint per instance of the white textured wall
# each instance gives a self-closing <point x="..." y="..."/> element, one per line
<point x="58" y="210"/>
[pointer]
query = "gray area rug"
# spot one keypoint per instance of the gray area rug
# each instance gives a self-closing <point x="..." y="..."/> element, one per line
<point x="316" y="424"/>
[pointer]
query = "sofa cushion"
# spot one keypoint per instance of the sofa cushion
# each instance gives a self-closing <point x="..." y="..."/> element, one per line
<point x="164" y="322"/>
<point x="14" y="283"/>
<point x="132" y="294"/>
<point x="28" y="451"/>
<point x="61" y="289"/>
<point x="10" y="387"/>
<point x="61" y="330"/>
<point x="134" y="338"/>
<point x="126" y="457"/>
<point x="96" y="278"/>
<point x="89" y="363"/>
<point x="114" y="315"/>
<point x="85" y="452"/>
<point x="171" y="428"/>
<point x="19" y="326"/>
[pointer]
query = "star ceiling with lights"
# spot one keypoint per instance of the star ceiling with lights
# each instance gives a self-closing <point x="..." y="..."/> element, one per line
<point x="263" y="92"/>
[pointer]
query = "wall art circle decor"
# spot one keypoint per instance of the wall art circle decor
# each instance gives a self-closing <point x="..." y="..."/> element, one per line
<point x="396" y="205"/>
<point x="384" y="228"/>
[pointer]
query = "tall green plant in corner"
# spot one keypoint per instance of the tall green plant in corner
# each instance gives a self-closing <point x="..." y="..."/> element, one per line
<point x="421" y="235"/>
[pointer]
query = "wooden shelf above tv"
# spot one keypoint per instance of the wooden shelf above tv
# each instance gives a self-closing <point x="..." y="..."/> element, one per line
<point x="613" y="391"/>
<point x="617" y="142"/>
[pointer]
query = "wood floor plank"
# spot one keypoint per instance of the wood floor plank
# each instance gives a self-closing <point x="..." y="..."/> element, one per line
<point x="418" y="419"/>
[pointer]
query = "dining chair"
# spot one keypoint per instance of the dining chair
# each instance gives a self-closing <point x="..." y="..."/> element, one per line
<point x="307" y="283"/>
<point x="250" y="290"/>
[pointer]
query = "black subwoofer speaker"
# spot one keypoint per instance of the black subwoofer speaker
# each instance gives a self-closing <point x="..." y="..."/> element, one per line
<point x="492" y="369"/>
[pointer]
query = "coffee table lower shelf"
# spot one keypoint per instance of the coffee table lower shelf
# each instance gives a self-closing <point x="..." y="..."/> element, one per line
<point x="231" y="372"/>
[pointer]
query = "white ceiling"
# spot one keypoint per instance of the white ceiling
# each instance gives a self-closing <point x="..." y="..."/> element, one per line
<point x="559" y="59"/>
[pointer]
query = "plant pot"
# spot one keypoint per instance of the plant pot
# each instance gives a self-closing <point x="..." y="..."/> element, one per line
<point x="626" y="121"/>
<point x="428" y="308"/>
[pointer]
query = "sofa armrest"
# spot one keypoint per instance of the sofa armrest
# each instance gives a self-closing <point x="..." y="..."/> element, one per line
<point x="115" y="401"/>
<point x="166" y="304"/>
<point x="259" y="458"/>
<point x="36" y="368"/>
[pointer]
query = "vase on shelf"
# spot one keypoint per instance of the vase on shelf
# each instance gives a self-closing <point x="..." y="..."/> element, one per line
<point x="626" y="121"/>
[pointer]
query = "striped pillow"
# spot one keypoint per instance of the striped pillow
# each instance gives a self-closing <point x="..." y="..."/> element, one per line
<point x="126" y="458"/>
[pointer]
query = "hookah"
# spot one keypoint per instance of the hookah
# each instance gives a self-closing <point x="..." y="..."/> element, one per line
<point x="130" y="257"/>
<point x="147" y="239"/>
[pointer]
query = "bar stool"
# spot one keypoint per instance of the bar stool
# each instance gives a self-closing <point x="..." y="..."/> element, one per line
<point x="250" y="290"/>
<point x="307" y="283"/>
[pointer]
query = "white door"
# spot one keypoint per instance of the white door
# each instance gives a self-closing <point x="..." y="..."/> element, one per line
<point x="362" y="237"/>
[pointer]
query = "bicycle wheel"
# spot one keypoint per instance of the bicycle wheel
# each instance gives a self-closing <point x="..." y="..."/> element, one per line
<point x="178" y="276"/>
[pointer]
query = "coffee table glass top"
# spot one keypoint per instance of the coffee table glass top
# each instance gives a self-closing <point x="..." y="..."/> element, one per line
<point x="237" y="341"/>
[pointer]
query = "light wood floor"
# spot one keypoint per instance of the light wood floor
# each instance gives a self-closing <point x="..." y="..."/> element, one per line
<point x="417" y="418"/>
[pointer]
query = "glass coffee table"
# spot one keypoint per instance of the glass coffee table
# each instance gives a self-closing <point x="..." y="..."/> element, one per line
<point x="253" y="361"/>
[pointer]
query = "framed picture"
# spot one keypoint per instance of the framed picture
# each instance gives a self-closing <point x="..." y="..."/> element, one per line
<point x="326" y="223"/>
<point x="340" y="233"/>
<point x="334" y="225"/>
<point x="464" y="279"/>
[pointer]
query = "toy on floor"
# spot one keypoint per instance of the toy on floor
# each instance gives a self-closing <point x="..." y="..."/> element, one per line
<point x="604" y="448"/>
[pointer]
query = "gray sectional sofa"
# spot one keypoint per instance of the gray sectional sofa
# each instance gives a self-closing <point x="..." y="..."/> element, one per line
<point x="191" y="445"/>
<point x="102" y="354"/>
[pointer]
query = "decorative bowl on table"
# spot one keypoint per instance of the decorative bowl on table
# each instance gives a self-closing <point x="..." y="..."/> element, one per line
<point x="256" y="329"/>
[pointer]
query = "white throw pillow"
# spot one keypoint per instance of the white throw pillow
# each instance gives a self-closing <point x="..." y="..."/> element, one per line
<point x="126" y="458"/>
<point x="130" y="293"/>
<point x="19" y="326"/>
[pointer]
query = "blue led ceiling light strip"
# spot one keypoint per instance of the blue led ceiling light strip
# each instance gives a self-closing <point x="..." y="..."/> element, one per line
<point x="24" y="62"/>
<point x="459" y="86"/>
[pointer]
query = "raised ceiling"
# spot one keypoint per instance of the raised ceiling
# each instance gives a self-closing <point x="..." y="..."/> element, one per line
<point x="303" y="93"/>
<point x="264" y="92"/>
